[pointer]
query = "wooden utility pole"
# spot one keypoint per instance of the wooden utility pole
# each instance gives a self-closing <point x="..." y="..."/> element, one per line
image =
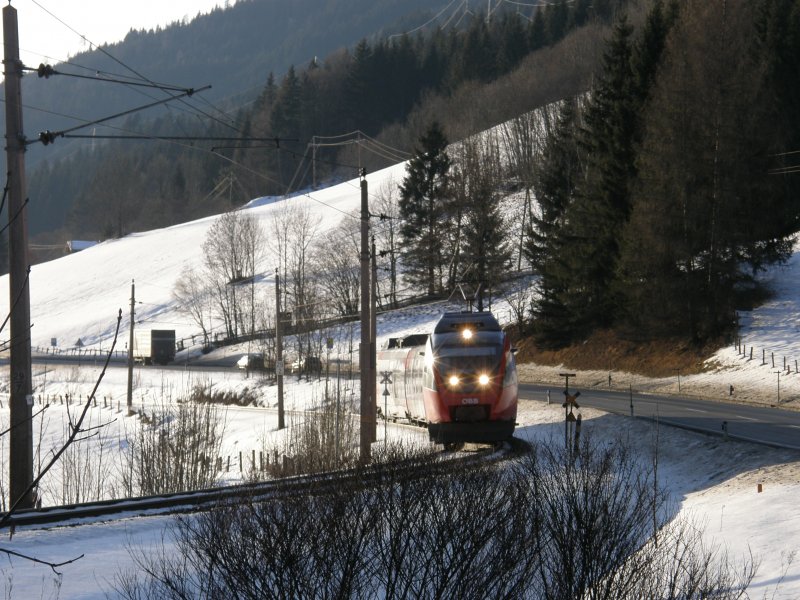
<point x="130" y="350"/>
<point x="279" y="349"/>
<point x="373" y="335"/>
<point x="366" y="432"/>
<point x="21" y="398"/>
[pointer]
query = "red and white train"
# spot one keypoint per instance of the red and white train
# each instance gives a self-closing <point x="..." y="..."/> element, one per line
<point x="461" y="380"/>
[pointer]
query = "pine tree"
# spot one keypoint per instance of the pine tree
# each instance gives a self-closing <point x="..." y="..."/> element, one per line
<point x="485" y="252"/>
<point x="581" y="276"/>
<point x="707" y="214"/>
<point x="422" y="206"/>
<point x="557" y="173"/>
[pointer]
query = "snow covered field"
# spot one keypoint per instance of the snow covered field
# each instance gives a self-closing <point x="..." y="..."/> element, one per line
<point x="713" y="481"/>
<point x="80" y="295"/>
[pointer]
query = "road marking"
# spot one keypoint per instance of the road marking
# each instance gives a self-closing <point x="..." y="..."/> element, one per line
<point x="745" y="418"/>
<point x="697" y="410"/>
<point x="795" y="426"/>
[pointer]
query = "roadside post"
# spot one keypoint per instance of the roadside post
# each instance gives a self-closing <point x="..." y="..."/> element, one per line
<point x="386" y="381"/>
<point x="570" y="402"/>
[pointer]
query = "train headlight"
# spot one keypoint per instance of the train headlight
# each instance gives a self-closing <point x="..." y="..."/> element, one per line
<point x="466" y="333"/>
<point x="453" y="380"/>
<point x="483" y="379"/>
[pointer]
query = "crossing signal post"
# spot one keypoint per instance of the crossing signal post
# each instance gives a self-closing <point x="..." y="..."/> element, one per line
<point x="386" y="381"/>
<point x="570" y="419"/>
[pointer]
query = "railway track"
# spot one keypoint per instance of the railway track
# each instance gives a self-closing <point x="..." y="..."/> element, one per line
<point x="186" y="502"/>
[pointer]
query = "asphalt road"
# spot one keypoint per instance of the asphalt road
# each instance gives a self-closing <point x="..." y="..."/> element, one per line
<point x="762" y="424"/>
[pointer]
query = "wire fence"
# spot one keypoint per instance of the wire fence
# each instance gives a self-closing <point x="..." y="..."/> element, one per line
<point x="767" y="359"/>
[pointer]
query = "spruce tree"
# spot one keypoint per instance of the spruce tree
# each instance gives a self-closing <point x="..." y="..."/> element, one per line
<point x="588" y="244"/>
<point x="422" y="207"/>
<point x="708" y="215"/>
<point x="556" y="176"/>
<point x="486" y="253"/>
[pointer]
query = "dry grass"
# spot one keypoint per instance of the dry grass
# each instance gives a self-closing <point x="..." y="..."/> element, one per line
<point x="607" y="351"/>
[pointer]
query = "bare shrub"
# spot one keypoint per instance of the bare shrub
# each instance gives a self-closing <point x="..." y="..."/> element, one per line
<point x="203" y="394"/>
<point x="175" y="451"/>
<point x="86" y="469"/>
<point x="321" y="440"/>
<point x="596" y="511"/>
<point x="556" y="525"/>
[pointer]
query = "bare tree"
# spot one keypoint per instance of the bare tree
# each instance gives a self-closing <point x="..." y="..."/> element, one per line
<point x="193" y="298"/>
<point x="523" y="137"/>
<point x="387" y="233"/>
<point x="336" y="262"/>
<point x="293" y="232"/>
<point x="234" y="246"/>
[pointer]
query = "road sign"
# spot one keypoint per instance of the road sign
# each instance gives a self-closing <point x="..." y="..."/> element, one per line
<point x="387" y="377"/>
<point x="279" y="367"/>
<point x="571" y="400"/>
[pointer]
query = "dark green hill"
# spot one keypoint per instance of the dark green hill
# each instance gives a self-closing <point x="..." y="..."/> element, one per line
<point x="232" y="50"/>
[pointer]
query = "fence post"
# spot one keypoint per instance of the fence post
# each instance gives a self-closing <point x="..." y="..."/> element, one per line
<point x="763" y="356"/>
<point x="773" y="359"/>
<point x="240" y="462"/>
<point x="751" y="353"/>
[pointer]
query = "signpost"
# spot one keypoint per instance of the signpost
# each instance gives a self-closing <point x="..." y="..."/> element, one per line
<point x="570" y="402"/>
<point x="385" y="382"/>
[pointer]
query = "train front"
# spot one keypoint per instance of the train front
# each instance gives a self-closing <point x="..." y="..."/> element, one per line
<point x="469" y="380"/>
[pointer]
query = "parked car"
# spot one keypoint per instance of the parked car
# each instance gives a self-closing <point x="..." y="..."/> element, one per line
<point x="307" y="364"/>
<point x="253" y="362"/>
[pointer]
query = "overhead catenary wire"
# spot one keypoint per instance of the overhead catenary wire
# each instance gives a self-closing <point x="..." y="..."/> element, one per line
<point x="48" y="137"/>
<point x="424" y="24"/>
<point x="784" y="170"/>
<point x="140" y="76"/>
<point x="47" y="71"/>
<point x="203" y="99"/>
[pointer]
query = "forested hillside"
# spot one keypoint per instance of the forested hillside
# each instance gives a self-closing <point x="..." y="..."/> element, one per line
<point x="232" y="50"/>
<point x="647" y="160"/>
<point x="668" y="189"/>
<point x="478" y="72"/>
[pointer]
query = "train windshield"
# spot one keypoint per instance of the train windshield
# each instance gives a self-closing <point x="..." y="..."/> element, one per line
<point x="483" y="353"/>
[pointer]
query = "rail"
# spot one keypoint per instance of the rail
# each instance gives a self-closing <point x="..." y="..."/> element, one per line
<point x="183" y="502"/>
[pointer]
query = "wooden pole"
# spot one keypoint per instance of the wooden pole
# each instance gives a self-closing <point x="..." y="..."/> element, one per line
<point x="130" y="350"/>
<point x="279" y="349"/>
<point x="21" y="398"/>
<point x="365" y="432"/>
<point x="373" y="334"/>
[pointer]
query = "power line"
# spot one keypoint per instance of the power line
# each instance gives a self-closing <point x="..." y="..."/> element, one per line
<point x="424" y="24"/>
<point x="127" y="67"/>
<point x="198" y="138"/>
<point x="48" y="137"/>
<point x="46" y="71"/>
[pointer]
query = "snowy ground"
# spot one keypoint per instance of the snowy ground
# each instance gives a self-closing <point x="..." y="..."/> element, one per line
<point x="713" y="481"/>
<point x="79" y="296"/>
